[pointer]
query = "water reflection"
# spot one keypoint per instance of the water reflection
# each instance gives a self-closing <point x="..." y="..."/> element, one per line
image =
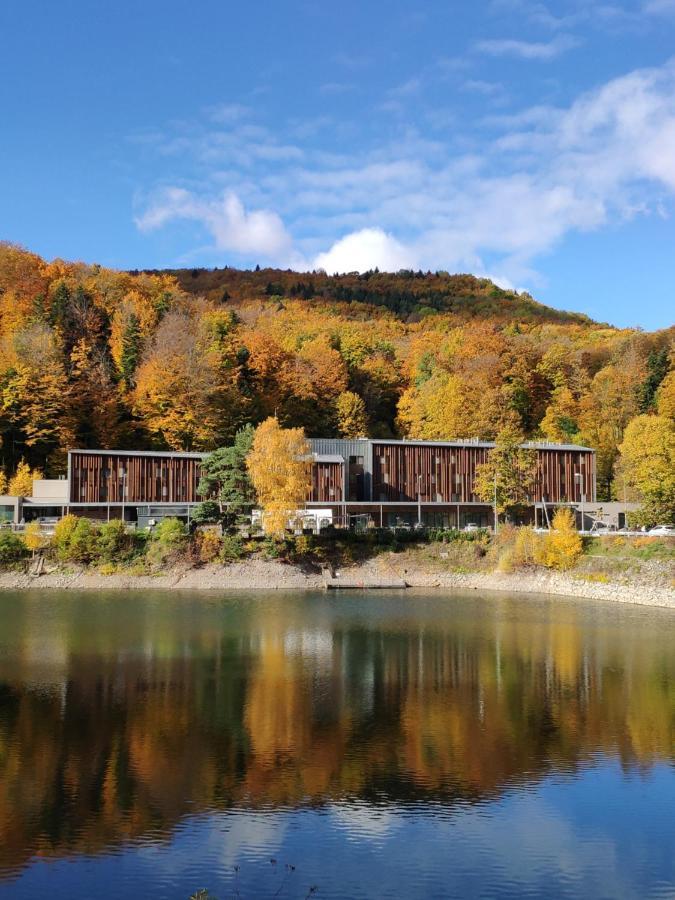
<point x="120" y="716"/>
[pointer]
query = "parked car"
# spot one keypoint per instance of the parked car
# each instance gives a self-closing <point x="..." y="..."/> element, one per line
<point x="471" y="527"/>
<point x="665" y="530"/>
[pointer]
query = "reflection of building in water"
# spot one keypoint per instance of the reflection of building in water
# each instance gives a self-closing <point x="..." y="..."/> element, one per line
<point x="274" y="712"/>
<point x="316" y="645"/>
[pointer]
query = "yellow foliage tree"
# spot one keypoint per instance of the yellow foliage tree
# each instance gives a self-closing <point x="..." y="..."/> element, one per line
<point x="280" y="468"/>
<point x="648" y="461"/>
<point x="3" y="482"/>
<point x="507" y="477"/>
<point x="186" y="384"/>
<point x="665" y="397"/>
<point x="560" y="421"/>
<point x="351" y="415"/>
<point x="33" y="537"/>
<point x="34" y="390"/>
<point x="562" y="546"/>
<point x="21" y="483"/>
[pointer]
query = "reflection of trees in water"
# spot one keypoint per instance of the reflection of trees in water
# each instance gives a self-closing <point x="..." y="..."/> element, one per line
<point x="277" y="715"/>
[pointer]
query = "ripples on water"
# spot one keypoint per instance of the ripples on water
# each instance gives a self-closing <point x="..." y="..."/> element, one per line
<point x="371" y="746"/>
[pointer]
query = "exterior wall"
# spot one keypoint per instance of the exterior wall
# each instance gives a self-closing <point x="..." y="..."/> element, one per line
<point x="357" y="454"/>
<point x="373" y="472"/>
<point x="55" y="489"/>
<point x="444" y="472"/>
<point x="101" y="477"/>
<point x="557" y="470"/>
<point x="441" y="474"/>
<point x="10" y="509"/>
<point x="327" y="482"/>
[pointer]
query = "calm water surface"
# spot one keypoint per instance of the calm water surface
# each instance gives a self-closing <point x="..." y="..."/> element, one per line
<point x="385" y="745"/>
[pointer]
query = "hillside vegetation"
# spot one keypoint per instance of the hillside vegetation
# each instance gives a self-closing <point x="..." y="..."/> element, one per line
<point x="92" y="357"/>
<point x="409" y="295"/>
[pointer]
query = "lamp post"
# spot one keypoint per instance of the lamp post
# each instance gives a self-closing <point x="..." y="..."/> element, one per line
<point x="419" y="501"/>
<point x="124" y="493"/>
<point x="495" y="505"/>
<point x="579" y="479"/>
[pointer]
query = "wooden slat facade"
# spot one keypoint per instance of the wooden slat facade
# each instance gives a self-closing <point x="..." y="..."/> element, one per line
<point x="99" y="478"/>
<point x="557" y="470"/>
<point x="447" y="474"/>
<point x="444" y="475"/>
<point x="441" y="474"/>
<point x="327" y="482"/>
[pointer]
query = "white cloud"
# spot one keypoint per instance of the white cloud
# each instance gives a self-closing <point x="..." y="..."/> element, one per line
<point x="231" y="226"/>
<point x="336" y="87"/>
<point x="370" y="248"/>
<point x="409" y="202"/>
<point x="538" y="50"/>
<point x="478" y="86"/>
<point x="228" y="113"/>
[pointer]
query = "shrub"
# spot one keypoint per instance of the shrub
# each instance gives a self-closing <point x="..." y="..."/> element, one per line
<point x="62" y="534"/>
<point x="563" y="545"/>
<point x="12" y="548"/>
<point x="208" y="545"/>
<point x="75" y="539"/>
<point x="304" y="544"/>
<point x="33" y="537"/>
<point x="82" y="546"/>
<point x="232" y="547"/>
<point x="170" y="533"/>
<point x="166" y="541"/>
<point x="446" y="535"/>
<point x="526" y="547"/>
<point x="506" y="561"/>
<point x="271" y="549"/>
<point x="114" y="542"/>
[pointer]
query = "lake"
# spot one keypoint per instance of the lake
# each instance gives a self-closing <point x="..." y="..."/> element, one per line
<point x="390" y="744"/>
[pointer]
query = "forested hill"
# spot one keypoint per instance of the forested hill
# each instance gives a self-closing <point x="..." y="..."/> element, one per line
<point x="409" y="295"/>
<point x="91" y="357"/>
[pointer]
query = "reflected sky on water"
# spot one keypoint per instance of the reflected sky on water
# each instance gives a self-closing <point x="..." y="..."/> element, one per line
<point x="384" y="745"/>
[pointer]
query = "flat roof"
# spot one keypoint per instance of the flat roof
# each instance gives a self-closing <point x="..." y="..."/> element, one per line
<point x="534" y="445"/>
<point x="326" y="457"/>
<point x="171" y="454"/>
<point x="466" y="442"/>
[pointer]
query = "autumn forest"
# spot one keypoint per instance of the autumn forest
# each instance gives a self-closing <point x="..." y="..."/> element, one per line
<point x="91" y="357"/>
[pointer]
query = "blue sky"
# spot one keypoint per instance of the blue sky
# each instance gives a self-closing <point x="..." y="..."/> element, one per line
<point x="531" y="143"/>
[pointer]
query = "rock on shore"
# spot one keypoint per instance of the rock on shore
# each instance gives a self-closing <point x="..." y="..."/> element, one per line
<point x="259" y="574"/>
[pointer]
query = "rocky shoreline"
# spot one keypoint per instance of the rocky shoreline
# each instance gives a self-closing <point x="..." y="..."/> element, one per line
<point x="274" y="575"/>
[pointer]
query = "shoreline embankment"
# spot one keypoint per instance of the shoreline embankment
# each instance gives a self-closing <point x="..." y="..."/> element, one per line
<point x="263" y="575"/>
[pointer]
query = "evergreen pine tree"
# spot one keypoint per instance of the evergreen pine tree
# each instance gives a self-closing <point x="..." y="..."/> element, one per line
<point x="657" y="369"/>
<point x="131" y="349"/>
<point x="59" y="305"/>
